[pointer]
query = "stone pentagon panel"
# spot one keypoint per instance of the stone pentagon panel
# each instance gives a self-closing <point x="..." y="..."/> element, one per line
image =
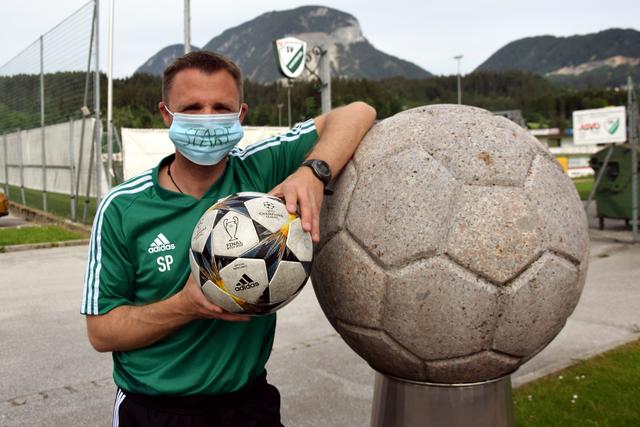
<point x="400" y="207"/>
<point x="556" y="200"/>
<point x="385" y="139"/>
<point x="494" y="232"/>
<point x="382" y="352"/>
<point x="436" y="309"/>
<point x="535" y="304"/>
<point x="538" y="147"/>
<point x="476" y="147"/>
<point x="482" y="366"/>
<point x="334" y="208"/>
<point x="348" y="283"/>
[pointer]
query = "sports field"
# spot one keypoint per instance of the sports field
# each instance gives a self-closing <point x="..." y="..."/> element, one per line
<point x="584" y="186"/>
<point x="57" y="203"/>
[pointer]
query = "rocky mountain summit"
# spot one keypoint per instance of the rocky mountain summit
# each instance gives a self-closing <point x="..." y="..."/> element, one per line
<point x="250" y="45"/>
<point x="596" y="59"/>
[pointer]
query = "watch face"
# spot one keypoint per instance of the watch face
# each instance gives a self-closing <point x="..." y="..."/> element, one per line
<point x="323" y="169"/>
<point x="320" y="169"/>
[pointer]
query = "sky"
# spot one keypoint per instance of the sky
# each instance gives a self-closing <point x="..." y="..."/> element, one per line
<point x="424" y="32"/>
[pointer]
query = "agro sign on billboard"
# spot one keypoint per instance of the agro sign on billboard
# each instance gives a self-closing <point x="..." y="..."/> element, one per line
<point x="599" y="126"/>
<point x="290" y="55"/>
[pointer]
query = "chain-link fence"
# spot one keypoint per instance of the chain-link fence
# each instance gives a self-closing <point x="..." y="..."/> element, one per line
<point x="47" y="119"/>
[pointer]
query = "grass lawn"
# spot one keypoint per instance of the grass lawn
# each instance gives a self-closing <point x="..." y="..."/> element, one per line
<point x="57" y="203"/>
<point x="35" y="234"/>
<point x="584" y="186"/>
<point x="603" y="391"/>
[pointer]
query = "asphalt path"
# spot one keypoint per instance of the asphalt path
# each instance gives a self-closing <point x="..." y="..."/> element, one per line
<point x="50" y="375"/>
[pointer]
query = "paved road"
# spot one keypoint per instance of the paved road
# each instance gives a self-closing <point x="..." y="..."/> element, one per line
<point x="50" y="376"/>
<point x="12" y="221"/>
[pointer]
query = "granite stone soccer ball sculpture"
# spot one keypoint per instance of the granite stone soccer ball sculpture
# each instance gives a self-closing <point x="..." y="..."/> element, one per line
<point x="249" y="254"/>
<point x="454" y="247"/>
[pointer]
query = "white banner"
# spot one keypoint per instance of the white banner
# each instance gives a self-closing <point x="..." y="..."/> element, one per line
<point x="143" y="149"/>
<point x="600" y="126"/>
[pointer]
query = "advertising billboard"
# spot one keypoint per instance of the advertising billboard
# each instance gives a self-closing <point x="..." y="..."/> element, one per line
<point x="600" y="126"/>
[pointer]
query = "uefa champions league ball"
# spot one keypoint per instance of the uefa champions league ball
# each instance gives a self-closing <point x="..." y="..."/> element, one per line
<point x="453" y="248"/>
<point x="249" y="254"/>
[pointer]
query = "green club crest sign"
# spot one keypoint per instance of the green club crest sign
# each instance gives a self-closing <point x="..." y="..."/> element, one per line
<point x="290" y="56"/>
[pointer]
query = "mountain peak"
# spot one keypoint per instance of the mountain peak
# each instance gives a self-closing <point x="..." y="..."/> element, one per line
<point x="351" y="55"/>
<point x="602" y="58"/>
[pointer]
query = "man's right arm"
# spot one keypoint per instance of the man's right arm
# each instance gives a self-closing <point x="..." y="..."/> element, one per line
<point x="130" y="327"/>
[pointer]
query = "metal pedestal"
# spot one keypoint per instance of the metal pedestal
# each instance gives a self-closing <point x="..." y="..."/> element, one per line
<point x="404" y="403"/>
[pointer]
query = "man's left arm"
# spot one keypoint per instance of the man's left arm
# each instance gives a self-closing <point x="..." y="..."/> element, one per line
<point x="339" y="133"/>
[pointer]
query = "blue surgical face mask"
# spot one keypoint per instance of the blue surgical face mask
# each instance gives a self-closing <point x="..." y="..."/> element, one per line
<point x="205" y="139"/>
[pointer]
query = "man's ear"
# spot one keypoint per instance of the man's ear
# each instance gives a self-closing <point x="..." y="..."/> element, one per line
<point x="166" y="117"/>
<point x="244" y="108"/>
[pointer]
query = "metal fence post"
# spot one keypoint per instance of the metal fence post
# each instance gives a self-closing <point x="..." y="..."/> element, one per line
<point x="6" y="166"/>
<point x="44" y="157"/>
<point x="72" y="172"/>
<point x="24" y="199"/>
<point x="92" y="160"/>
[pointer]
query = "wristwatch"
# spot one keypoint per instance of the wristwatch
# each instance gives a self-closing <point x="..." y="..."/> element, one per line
<point x="320" y="169"/>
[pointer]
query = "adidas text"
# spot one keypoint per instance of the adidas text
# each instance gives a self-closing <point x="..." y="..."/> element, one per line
<point x="161" y="248"/>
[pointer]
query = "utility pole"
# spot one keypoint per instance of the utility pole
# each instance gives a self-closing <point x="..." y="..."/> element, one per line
<point x="458" y="58"/>
<point x="325" y="80"/>
<point x="187" y="27"/>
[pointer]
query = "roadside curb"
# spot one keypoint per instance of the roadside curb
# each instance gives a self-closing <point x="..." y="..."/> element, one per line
<point x="556" y="367"/>
<point x="42" y="217"/>
<point x="45" y="245"/>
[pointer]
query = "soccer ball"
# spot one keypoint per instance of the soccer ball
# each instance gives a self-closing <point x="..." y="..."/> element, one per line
<point x="249" y="254"/>
<point x="453" y="248"/>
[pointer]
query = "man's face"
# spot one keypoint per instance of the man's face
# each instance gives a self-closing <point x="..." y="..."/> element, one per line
<point x="196" y="92"/>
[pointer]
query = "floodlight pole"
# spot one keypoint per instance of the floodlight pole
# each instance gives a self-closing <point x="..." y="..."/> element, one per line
<point x="458" y="58"/>
<point x="97" y="128"/>
<point x="187" y="27"/>
<point x="632" y="110"/>
<point x="110" y="98"/>
<point x="289" y="84"/>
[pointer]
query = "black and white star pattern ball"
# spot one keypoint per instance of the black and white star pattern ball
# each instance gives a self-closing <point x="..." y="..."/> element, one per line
<point x="249" y="254"/>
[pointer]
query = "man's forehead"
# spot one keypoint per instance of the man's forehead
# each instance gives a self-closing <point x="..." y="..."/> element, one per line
<point x="194" y="85"/>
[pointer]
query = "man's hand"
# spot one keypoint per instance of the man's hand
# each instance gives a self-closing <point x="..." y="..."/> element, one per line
<point x="303" y="188"/>
<point x="129" y="327"/>
<point x="198" y="306"/>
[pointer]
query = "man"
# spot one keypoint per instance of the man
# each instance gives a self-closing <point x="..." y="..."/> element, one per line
<point x="178" y="358"/>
